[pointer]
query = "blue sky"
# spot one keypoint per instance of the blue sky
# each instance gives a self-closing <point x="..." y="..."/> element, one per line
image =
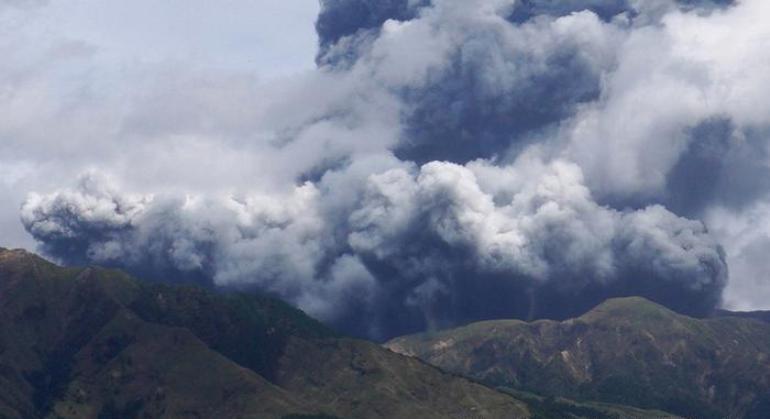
<point x="267" y="36"/>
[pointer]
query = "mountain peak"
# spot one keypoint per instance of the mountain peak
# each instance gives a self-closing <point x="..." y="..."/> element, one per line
<point x="6" y="254"/>
<point x="636" y="308"/>
<point x="16" y="256"/>
<point x="630" y="351"/>
<point x="19" y="264"/>
<point x="88" y="342"/>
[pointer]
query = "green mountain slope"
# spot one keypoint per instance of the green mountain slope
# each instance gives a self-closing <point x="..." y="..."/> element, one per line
<point x="628" y="351"/>
<point x="94" y="343"/>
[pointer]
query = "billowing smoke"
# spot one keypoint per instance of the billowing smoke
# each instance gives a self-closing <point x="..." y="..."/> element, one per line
<point x="402" y="250"/>
<point x="457" y="160"/>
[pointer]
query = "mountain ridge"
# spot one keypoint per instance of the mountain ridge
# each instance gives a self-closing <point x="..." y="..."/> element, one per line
<point x="627" y="350"/>
<point x="96" y="343"/>
<point x="82" y="343"/>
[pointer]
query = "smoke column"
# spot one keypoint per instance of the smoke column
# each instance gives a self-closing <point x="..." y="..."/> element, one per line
<point x="452" y="161"/>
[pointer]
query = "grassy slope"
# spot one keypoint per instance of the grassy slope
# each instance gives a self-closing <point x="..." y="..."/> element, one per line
<point x="560" y="408"/>
<point x="627" y="351"/>
<point x="76" y="350"/>
<point x="94" y="343"/>
<point x="346" y="371"/>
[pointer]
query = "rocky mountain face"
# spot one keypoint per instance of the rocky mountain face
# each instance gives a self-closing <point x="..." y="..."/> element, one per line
<point x="627" y="351"/>
<point x="95" y="343"/>
<point x="92" y="343"/>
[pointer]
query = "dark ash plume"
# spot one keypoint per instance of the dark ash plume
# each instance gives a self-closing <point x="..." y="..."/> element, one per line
<point x="419" y="248"/>
<point x="466" y="160"/>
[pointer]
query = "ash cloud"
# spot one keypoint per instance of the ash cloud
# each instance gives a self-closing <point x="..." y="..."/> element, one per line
<point x="416" y="248"/>
<point x="494" y="73"/>
<point x="721" y="165"/>
<point x="452" y="161"/>
<point x="348" y="18"/>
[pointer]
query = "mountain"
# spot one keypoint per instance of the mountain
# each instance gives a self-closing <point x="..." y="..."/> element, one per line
<point x="96" y="343"/>
<point x="628" y="351"/>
